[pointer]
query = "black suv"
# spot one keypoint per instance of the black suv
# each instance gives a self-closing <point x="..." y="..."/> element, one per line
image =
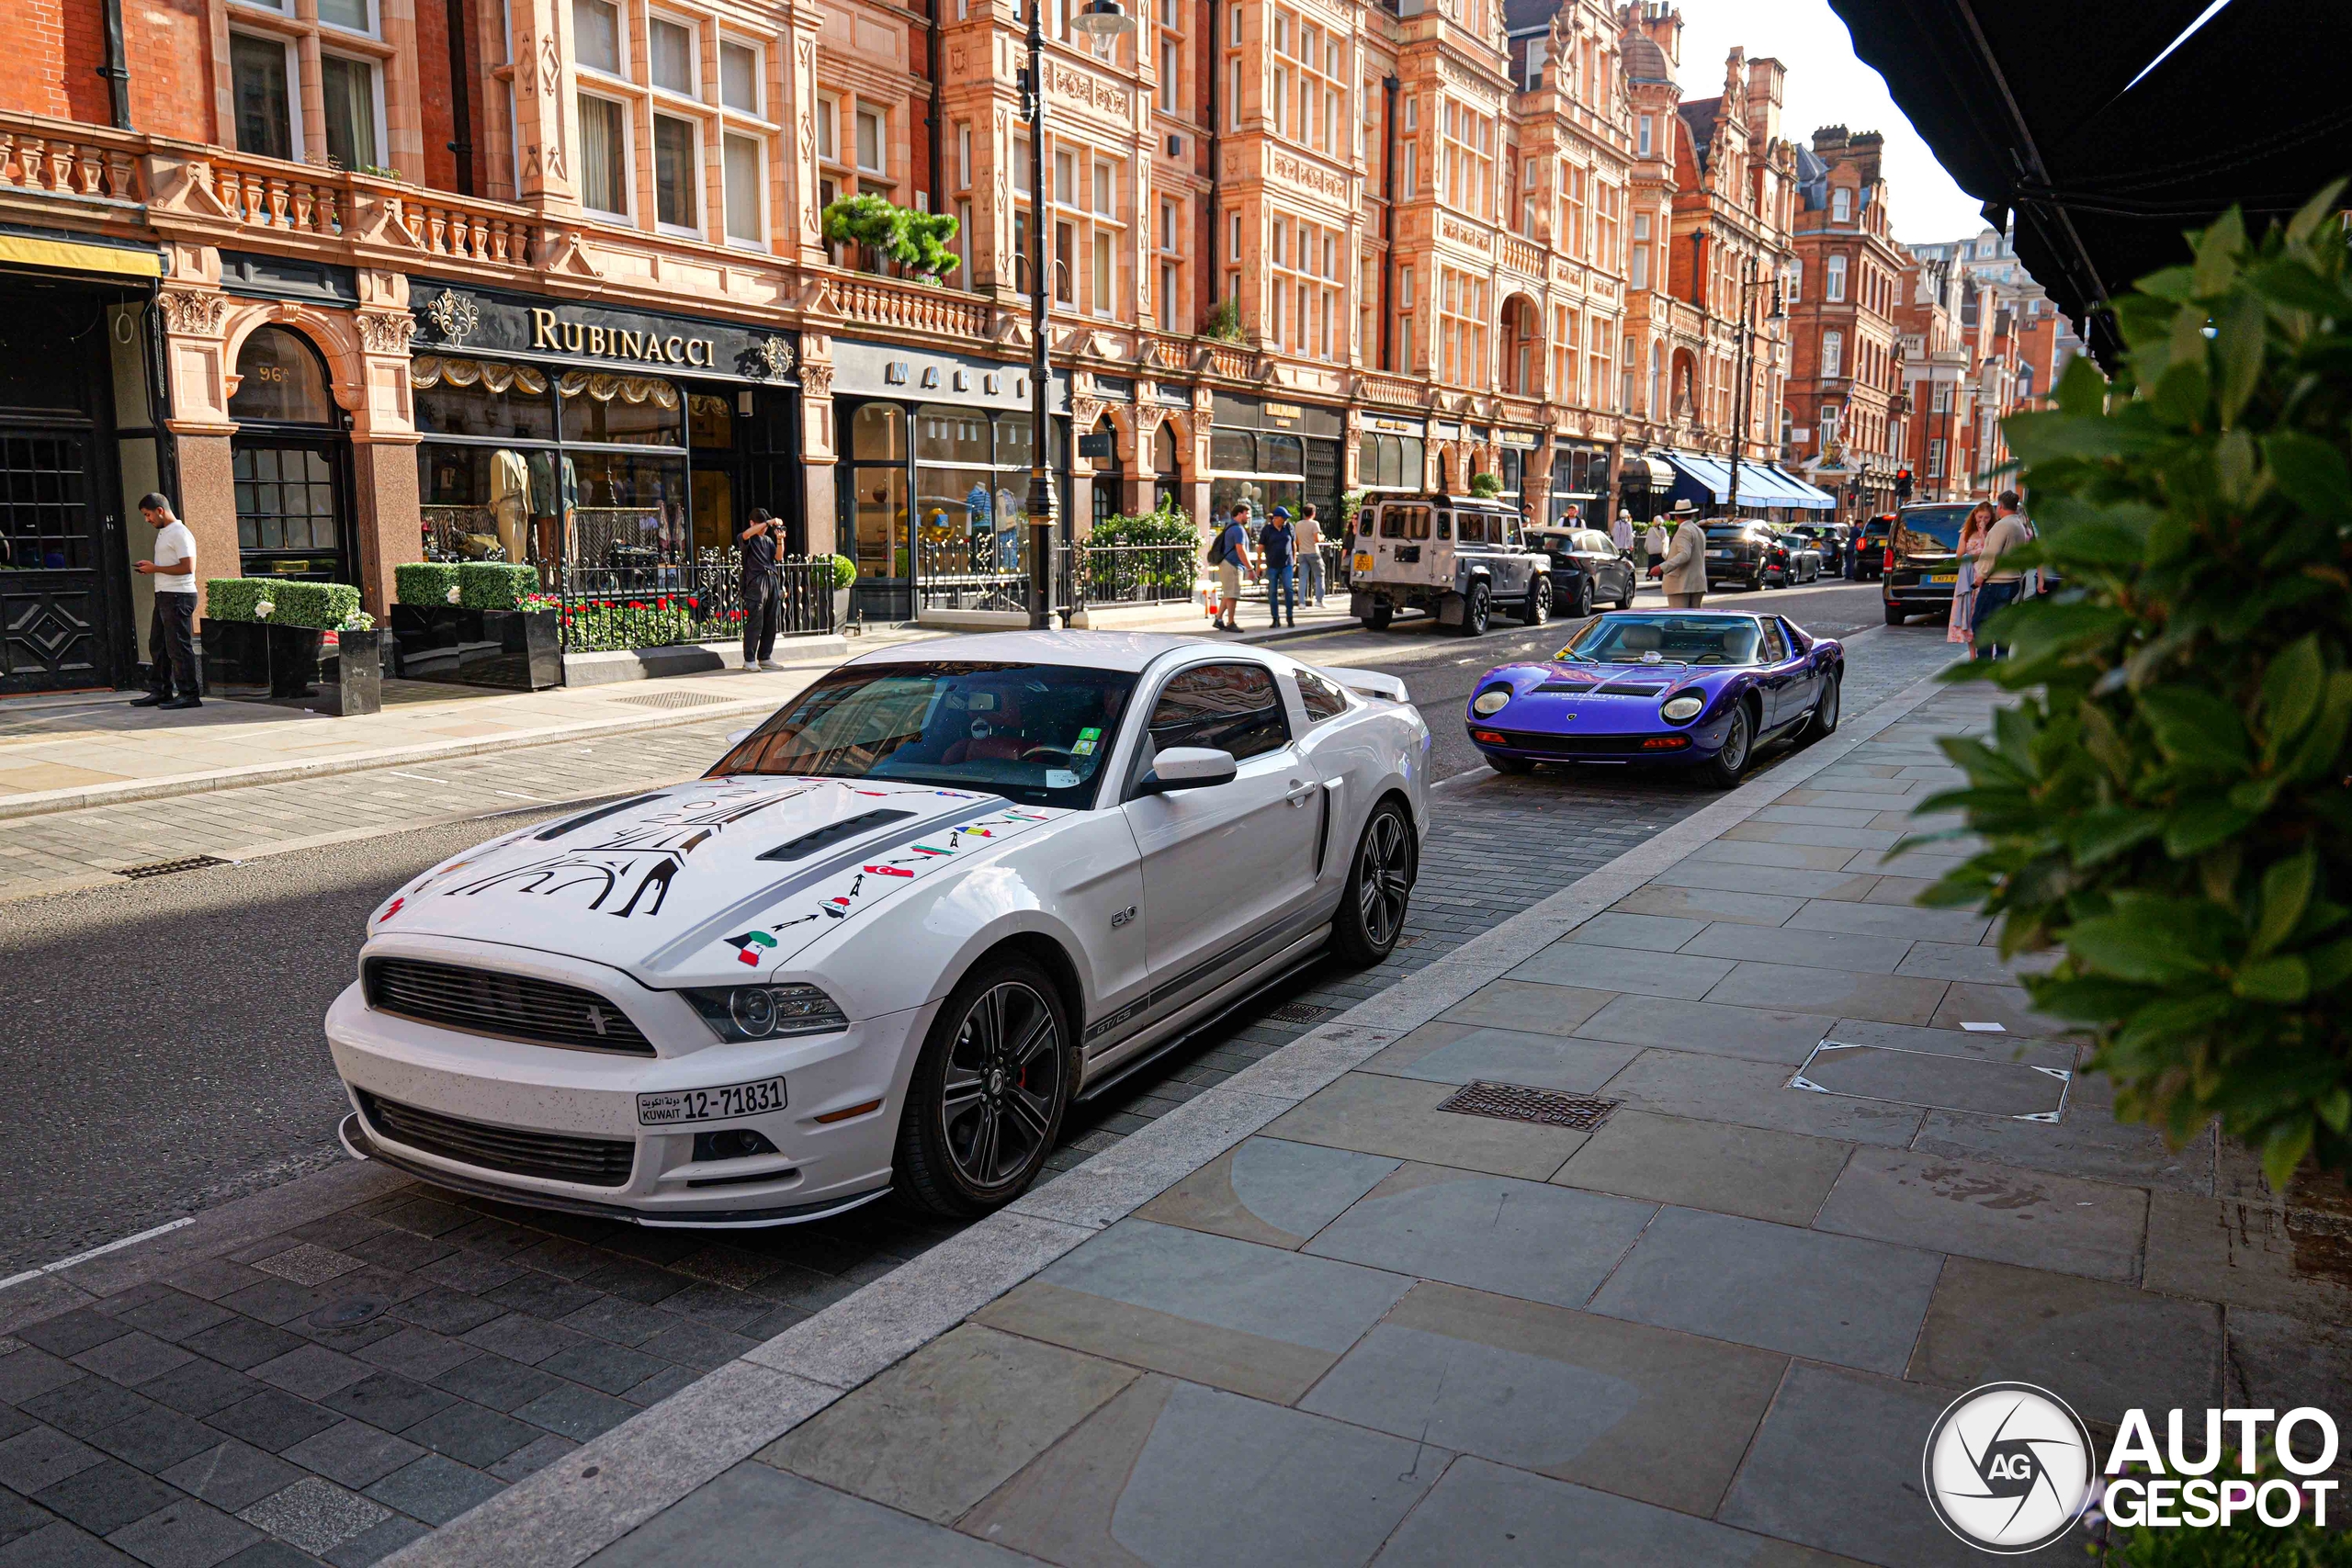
<point x="1870" y="551"/>
<point x="1923" y="561"/>
<point x="1743" y="552"/>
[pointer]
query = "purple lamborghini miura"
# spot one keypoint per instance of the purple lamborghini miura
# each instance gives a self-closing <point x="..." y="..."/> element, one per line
<point x="1685" y="688"/>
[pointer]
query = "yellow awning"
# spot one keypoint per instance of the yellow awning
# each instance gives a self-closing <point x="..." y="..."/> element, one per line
<point x="65" y="255"/>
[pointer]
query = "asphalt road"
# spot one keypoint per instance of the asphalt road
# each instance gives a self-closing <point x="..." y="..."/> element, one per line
<point x="160" y="1050"/>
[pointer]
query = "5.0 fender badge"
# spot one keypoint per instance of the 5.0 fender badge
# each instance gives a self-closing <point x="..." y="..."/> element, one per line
<point x="1122" y="917"/>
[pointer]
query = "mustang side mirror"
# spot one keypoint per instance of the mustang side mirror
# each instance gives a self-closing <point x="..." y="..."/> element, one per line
<point x="737" y="737"/>
<point x="1187" y="767"/>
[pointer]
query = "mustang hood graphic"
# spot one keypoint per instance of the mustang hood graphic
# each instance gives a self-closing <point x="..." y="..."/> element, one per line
<point x="739" y="870"/>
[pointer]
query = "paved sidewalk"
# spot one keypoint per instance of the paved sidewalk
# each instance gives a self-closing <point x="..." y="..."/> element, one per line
<point x="1316" y="1317"/>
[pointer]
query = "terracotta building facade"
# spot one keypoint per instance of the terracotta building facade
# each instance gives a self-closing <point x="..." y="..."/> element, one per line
<point x="358" y="282"/>
<point x="1846" y="391"/>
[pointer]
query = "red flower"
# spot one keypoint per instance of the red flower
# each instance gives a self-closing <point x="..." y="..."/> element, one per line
<point x="636" y="605"/>
<point x="693" y="604"/>
<point x="662" y="604"/>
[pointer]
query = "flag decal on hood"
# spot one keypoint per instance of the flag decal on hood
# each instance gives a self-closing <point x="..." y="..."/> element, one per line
<point x="750" y="946"/>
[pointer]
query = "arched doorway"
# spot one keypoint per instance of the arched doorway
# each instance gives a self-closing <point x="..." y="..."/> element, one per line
<point x="291" y="460"/>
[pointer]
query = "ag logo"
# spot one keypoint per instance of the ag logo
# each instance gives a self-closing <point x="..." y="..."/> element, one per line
<point x="2008" y="1467"/>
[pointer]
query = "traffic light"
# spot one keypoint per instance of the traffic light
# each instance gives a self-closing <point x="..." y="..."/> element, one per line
<point x="1903" y="484"/>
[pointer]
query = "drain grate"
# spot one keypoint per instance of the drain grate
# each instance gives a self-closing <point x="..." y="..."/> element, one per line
<point x="1517" y="1102"/>
<point x="673" y="700"/>
<point x="168" y="867"/>
<point x="1302" y="1012"/>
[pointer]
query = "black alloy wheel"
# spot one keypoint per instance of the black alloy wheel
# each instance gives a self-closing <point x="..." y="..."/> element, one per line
<point x="989" y="1092"/>
<point x="1823" y="721"/>
<point x="1477" y="609"/>
<point x="1538" y="600"/>
<point x="1380" y="883"/>
<point x="1580" y="602"/>
<point x="1731" y="762"/>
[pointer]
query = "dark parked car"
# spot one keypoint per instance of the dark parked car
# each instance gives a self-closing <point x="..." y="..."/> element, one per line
<point x="1922" y="560"/>
<point x="1739" y="551"/>
<point x="1587" y="568"/>
<point x="1831" y="539"/>
<point x="1870" y="551"/>
<point x="1796" y="557"/>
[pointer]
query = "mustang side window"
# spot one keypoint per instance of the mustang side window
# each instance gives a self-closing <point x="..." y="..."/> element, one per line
<point x="1322" y="698"/>
<point x="1227" y="707"/>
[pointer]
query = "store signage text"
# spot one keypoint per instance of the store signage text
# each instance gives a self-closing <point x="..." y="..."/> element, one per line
<point x="614" y="343"/>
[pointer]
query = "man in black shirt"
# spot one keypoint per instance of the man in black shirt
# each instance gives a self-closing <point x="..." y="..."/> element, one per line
<point x="759" y="542"/>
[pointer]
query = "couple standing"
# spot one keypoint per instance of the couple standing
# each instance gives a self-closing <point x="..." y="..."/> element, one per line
<point x="1985" y="585"/>
<point x="1284" y="549"/>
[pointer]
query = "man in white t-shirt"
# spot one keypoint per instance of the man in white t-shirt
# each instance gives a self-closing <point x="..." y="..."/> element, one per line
<point x="171" y="631"/>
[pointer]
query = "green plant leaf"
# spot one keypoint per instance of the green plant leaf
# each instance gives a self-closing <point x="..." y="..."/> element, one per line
<point x="2196" y="729"/>
<point x="2283" y="1152"/>
<point x="2312" y="473"/>
<point x="2291" y="689"/>
<point x="2283" y="980"/>
<point x="2217" y="254"/>
<point x="2320" y="208"/>
<point x="2105" y="833"/>
<point x="2153" y="952"/>
<point x="2286" y="890"/>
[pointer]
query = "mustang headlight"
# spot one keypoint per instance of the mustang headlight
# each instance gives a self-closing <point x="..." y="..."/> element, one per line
<point x="766" y="1012"/>
<point x="1491" y="701"/>
<point x="1682" y="708"/>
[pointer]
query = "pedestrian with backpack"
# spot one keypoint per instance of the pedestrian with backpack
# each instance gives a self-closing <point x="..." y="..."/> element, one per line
<point x="1229" y="553"/>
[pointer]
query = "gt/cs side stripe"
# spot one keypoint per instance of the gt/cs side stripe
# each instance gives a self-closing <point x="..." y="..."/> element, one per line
<point x="1274" y="936"/>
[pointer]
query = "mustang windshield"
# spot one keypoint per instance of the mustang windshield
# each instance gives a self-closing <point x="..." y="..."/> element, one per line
<point x="1665" y="640"/>
<point x="1034" y="733"/>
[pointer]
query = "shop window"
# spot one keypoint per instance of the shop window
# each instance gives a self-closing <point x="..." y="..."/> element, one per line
<point x="746" y="189"/>
<point x="596" y="36"/>
<point x="738" y="77"/>
<point x="485" y="398"/>
<point x="620" y="411"/>
<point x="676" y="172"/>
<point x="671" y="48"/>
<point x="878" y="434"/>
<point x="710" y="424"/>
<point x="280" y="380"/>
<point x="1282" y="454"/>
<point x="829" y="114"/>
<point x="353" y="111"/>
<point x="262" y="83"/>
<point x="603" y="156"/>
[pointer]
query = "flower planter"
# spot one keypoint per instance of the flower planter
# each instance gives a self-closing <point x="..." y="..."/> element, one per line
<point x="294" y="654"/>
<point x="514" y="651"/>
<point x="236" y="659"/>
<point x="840" y="607"/>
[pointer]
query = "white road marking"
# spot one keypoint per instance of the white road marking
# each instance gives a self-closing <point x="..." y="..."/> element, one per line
<point x="419" y="777"/>
<point x="511" y="795"/>
<point x="164" y="1229"/>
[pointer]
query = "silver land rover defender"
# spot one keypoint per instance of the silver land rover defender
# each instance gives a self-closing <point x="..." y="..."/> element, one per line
<point x="1460" y="557"/>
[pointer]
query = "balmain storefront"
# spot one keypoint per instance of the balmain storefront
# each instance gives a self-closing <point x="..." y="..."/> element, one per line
<point x="1272" y="454"/>
<point x="580" y="438"/>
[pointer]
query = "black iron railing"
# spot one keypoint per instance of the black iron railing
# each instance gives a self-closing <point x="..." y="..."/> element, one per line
<point x="1138" y="574"/>
<point x="657" y="604"/>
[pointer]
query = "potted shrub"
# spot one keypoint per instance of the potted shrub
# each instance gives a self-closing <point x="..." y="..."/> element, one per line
<point x="844" y="575"/>
<point x="523" y="626"/>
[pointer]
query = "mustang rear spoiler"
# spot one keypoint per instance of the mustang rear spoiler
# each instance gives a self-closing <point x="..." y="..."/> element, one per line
<point x="1368" y="682"/>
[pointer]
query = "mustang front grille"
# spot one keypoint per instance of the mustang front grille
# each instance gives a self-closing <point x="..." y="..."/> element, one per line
<point x="592" y="1162"/>
<point x="515" y="1007"/>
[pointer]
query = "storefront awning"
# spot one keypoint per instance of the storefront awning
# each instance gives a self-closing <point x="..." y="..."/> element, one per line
<point x="69" y="256"/>
<point x="1699" y="478"/>
<point x="1637" y="467"/>
<point x="1810" y="497"/>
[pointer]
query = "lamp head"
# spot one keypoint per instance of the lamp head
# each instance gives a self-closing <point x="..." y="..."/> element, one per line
<point x="1103" y="19"/>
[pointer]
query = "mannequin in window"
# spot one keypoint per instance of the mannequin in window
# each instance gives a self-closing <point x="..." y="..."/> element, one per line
<point x="551" y="511"/>
<point x="510" y="501"/>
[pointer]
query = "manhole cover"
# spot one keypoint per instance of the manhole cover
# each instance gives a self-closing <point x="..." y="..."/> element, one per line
<point x="350" y="1314"/>
<point x="169" y="867"/>
<point x="673" y="700"/>
<point x="1302" y="1012"/>
<point x="1517" y="1102"/>
<point x="2018" y="1091"/>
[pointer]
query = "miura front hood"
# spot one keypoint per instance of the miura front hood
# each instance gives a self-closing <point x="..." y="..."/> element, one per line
<point x="739" y="870"/>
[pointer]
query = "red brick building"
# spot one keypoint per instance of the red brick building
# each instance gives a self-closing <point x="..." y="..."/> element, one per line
<point x="1846" y="410"/>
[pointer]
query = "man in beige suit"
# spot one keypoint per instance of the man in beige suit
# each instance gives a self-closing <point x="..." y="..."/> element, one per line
<point x="1685" y="566"/>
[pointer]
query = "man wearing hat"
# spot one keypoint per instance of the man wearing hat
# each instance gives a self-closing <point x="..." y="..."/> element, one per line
<point x="1278" y="548"/>
<point x="1685" y="566"/>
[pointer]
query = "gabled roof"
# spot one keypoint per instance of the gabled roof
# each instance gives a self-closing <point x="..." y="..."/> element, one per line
<point x="1700" y="116"/>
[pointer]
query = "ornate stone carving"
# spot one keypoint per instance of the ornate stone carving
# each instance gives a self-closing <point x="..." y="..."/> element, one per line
<point x="1080" y="87"/>
<point x="816" y="381"/>
<point x="386" y="332"/>
<point x="1307" y="176"/>
<point x="194" y="315"/>
<point x="775" y="357"/>
<point x="453" y="317"/>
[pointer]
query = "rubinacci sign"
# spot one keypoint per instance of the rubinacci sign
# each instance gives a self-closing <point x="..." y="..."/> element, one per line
<point x="551" y="333"/>
<point x="452" y="319"/>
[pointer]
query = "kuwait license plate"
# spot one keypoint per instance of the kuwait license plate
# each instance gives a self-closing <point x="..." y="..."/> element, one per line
<point x="710" y="1104"/>
<point x="1942" y="578"/>
<point x="1363" y="563"/>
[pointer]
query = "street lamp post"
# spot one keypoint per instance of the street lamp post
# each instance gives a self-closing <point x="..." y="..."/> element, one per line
<point x="1748" y="287"/>
<point x="1099" y="20"/>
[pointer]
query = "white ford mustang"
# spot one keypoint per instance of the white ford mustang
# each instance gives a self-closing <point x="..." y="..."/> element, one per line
<point x="889" y="937"/>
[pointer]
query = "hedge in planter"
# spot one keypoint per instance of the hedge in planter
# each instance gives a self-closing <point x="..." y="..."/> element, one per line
<point x="321" y="607"/>
<point x="2165" y="803"/>
<point x="425" y="582"/>
<point x="233" y="598"/>
<point x="495" y="585"/>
